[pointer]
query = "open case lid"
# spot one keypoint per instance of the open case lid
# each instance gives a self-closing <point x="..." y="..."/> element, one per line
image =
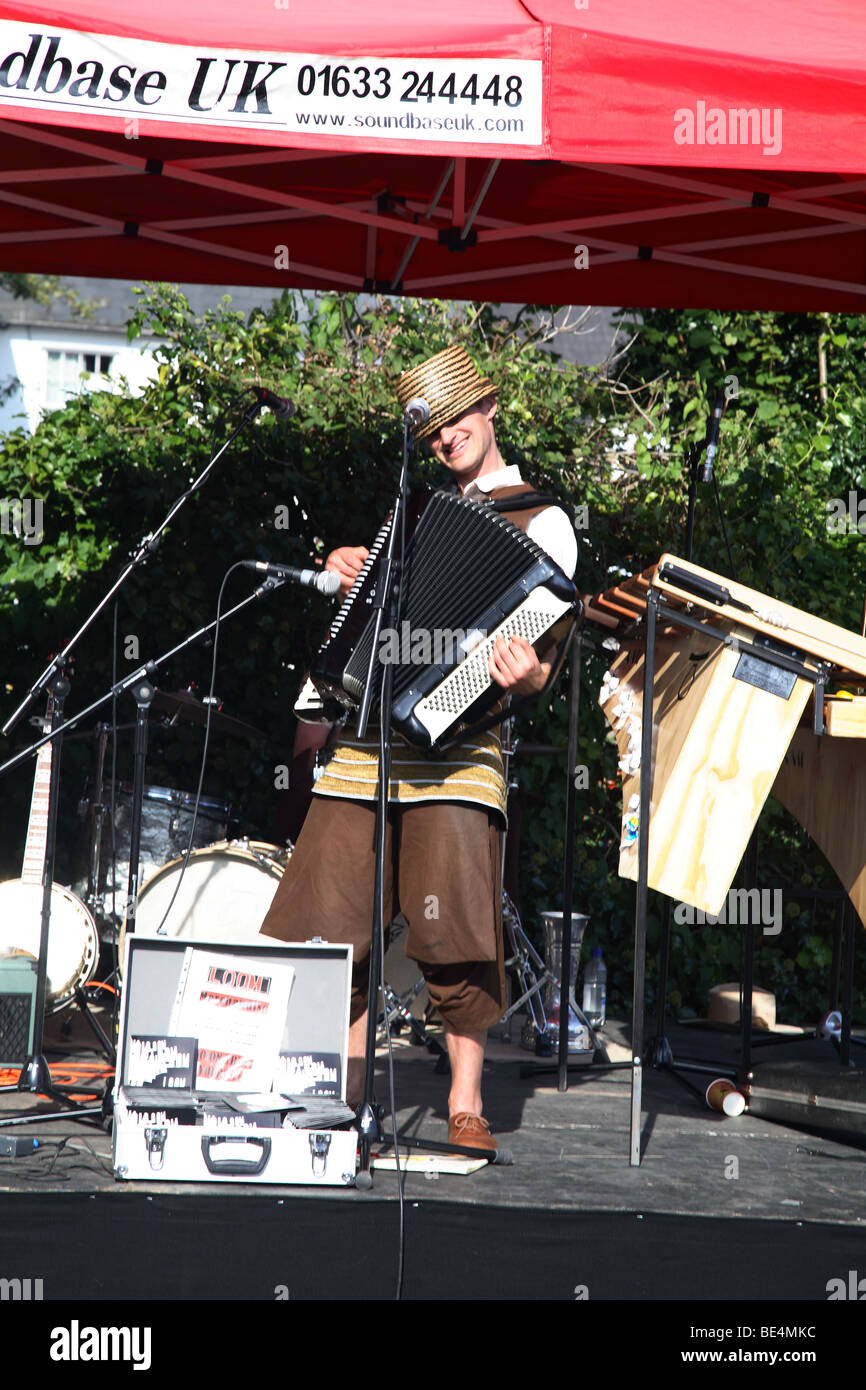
<point x="305" y="1040"/>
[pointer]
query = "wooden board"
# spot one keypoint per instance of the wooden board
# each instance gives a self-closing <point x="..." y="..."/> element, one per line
<point x="846" y="718"/>
<point x="718" y="743"/>
<point x="822" y="782"/>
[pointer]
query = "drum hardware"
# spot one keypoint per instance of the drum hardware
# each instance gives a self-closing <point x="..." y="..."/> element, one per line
<point x="22" y="896"/>
<point x="165" y="826"/>
<point x="270" y="857"/>
<point x="184" y="705"/>
<point x="567" y="918"/>
<point x="532" y="974"/>
<point x="537" y="978"/>
<point x="397" y="1009"/>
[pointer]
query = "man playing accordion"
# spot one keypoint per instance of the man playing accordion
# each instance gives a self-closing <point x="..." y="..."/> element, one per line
<point x="446" y="814"/>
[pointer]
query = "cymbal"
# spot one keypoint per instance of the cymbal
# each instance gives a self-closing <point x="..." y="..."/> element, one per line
<point x="181" y="704"/>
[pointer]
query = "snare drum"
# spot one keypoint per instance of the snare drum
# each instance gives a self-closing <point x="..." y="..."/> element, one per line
<point x="223" y="895"/>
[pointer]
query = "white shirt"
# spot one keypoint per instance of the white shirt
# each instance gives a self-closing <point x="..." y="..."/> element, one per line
<point x="551" y="529"/>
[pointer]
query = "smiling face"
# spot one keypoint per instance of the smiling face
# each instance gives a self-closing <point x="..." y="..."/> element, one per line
<point x="467" y="445"/>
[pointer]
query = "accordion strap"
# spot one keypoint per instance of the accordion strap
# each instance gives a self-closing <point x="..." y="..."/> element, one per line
<point x="524" y="501"/>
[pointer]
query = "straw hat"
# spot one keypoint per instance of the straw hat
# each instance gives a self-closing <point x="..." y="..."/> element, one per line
<point x="449" y="382"/>
<point x="725" y="1008"/>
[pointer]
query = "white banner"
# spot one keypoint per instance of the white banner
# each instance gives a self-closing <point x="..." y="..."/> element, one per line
<point x="494" y="101"/>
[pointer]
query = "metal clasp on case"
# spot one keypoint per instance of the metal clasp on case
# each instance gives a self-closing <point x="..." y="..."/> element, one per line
<point x="155" y="1141"/>
<point x="319" y="1146"/>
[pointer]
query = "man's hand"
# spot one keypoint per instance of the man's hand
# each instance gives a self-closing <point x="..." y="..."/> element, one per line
<point x="347" y="562"/>
<point x="515" y="666"/>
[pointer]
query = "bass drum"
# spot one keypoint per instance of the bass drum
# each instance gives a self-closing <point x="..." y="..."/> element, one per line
<point x="222" y="896"/>
<point x="73" y="941"/>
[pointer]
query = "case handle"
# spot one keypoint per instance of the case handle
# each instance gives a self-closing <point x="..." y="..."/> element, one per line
<point x="235" y="1166"/>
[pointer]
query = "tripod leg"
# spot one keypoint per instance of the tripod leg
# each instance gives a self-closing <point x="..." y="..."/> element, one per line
<point x="81" y="1001"/>
<point x="395" y="1007"/>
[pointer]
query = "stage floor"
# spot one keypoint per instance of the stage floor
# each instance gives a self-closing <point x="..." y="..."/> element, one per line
<point x="720" y="1208"/>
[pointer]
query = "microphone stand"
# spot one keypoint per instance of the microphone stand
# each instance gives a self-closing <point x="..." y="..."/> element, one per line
<point x="146" y="547"/>
<point x="660" y="1052"/>
<point x="35" y="1076"/>
<point x="388" y="600"/>
<point x="148" y="671"/>
<point x="369" y="1128"/>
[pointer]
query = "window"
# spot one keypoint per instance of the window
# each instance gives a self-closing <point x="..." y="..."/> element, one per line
<point x="63" y="374"/>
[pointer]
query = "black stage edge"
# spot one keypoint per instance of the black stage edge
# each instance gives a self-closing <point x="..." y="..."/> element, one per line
<point x="140" y="1248"/>
<point x="733" y="1235"/>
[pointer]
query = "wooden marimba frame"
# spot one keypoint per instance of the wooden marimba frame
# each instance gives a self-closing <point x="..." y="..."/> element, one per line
<point x="726" y="699"/>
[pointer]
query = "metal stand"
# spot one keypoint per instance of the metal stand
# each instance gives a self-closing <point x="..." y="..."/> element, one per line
<point x="562" y="1068"/>
<point x="662" y="1056"/>
<point x="661" y="1053"/>
<point x="143" y="692"/>
<point x="369" y="1127"/>
<point x="527" y="964"/>
<point x="146" y="547"/>
<point x="35" y="1076"/>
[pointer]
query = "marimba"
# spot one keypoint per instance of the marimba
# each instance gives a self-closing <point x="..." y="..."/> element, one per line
<point x="728" y="675"/>
<point x="750" y="697"/>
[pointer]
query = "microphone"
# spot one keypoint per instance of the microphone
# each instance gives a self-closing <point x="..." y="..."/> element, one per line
<point x="324" y="581"/>
<point x="712" y="440"/>
<point x="417" y="412"/>
<point x="282" y="408"/>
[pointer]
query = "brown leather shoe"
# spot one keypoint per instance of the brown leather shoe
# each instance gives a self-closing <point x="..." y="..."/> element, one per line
<point x="471" y="1131"/>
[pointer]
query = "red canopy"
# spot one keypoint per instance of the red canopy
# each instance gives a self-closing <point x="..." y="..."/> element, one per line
<point x="554" y="151"/>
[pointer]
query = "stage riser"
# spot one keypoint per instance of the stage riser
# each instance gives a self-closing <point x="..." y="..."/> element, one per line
<point x="131" y="1246"/>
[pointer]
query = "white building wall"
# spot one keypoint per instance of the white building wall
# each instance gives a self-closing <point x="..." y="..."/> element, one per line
<point x="24" y="359"/>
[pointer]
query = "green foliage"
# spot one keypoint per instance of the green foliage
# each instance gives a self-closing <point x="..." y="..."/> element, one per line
<point x="108" y="466"/>
<point x="46" y="289"/>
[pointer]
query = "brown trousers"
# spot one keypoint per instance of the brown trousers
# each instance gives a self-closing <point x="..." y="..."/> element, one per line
<point x="441" y="871"/>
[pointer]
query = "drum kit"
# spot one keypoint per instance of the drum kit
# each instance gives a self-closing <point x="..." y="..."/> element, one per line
<point x="196" y="882"/>
<point x="55" y="928"/>
<point x="199" y="884"/>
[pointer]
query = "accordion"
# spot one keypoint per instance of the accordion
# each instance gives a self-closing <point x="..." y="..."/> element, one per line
<point x="469" y="577"/>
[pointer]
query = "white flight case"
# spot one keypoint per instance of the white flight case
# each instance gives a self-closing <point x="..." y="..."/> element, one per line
<point x="171" y="1125"/>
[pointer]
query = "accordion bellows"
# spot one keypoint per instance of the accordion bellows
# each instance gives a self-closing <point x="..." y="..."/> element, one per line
<point x="470" y="576"/>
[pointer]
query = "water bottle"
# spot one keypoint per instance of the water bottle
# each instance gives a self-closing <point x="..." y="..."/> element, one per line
<point x="595" y="989"/>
